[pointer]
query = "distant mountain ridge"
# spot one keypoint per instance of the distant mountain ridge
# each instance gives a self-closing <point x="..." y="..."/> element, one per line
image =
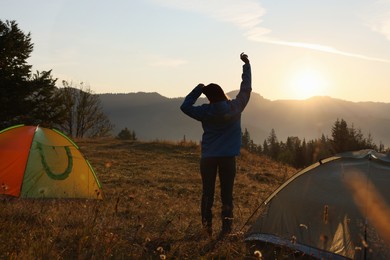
<point x="155" y="117"/>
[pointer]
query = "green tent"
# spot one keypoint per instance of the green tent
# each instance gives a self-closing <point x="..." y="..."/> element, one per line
<point x="38" y="162"/>
<point x="337" y="208"/>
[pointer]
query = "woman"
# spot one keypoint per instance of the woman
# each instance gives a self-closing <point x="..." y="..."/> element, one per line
<point x="221" y="142"/>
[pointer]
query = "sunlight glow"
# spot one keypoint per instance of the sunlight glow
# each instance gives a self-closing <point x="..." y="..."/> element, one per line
<point x="307" y="83"/>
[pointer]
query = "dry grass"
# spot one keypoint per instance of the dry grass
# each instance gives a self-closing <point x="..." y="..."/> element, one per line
<point x="151" y="207"/>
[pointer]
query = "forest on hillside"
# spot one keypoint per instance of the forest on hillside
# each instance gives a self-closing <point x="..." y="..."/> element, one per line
<point x="301" y="153"/>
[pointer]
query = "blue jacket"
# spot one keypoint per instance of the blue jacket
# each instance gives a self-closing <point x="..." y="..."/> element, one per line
<point x="221" y="121"/>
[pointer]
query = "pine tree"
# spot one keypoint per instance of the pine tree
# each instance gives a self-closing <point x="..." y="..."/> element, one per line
<point x="340" y="135"/>
<point x="125" y="134"/>
<point x="265" y="148"/>
<point x="273" y="144"/>
<point x="45" y="103"/>
<point x="15" y="49"/>
<point x="245" y="139"/>
<point x="24" y="98"/>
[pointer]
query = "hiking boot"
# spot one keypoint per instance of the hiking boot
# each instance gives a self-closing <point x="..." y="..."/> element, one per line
<point x="207" y="227"/>
<point x="208" y="231"/>
<point x="222" y="234"/>
<point x="226" y="227"/>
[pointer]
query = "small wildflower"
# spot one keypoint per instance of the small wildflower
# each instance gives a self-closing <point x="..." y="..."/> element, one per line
<point x="258" y="254"/>
<point x="293" y="239"/>
<point x="163" y="257"/>
<point x="140" y="226"/>
<point x="303" y="225"/>
<point x="160" y="249"/>
<point x="108" y="164"/>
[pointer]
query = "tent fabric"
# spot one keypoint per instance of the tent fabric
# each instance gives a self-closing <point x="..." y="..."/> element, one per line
<point x="317" y="210"/>
<point x="310" y="251"/>
<point x="38" y="162"/>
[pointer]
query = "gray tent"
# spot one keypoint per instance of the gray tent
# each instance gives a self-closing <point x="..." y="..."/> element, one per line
<point x="334" y="209"/>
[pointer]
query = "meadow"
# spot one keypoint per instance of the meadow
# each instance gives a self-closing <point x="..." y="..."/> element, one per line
<point x="150" y="208"/>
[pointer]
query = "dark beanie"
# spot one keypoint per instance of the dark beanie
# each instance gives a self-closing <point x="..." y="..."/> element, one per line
<point x="214" y="93"/>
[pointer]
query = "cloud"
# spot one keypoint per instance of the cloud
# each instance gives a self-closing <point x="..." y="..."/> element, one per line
<point x="247" y="15"/>
<point x="322" y="48"/>
<point x="385" y="29"/>
<point x="382" y="25"/>
<point x="378" y="17"/>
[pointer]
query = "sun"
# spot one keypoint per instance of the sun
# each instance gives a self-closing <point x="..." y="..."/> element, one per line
<point x="307" y="83"/>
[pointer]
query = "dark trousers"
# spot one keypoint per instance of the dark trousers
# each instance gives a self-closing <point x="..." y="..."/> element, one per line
<point x="226" y="169"/>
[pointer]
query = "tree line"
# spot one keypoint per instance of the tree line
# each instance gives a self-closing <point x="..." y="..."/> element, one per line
<point x="33" y="98"/>
<point x="301" y="153"/>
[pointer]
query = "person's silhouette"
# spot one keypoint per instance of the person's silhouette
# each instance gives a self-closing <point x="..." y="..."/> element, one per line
<point x="221" y="142"/>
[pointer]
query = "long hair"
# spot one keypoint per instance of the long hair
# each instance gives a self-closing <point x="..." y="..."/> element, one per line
<point x="214" y="93"/>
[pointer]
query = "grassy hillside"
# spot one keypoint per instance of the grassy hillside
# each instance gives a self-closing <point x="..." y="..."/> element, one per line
<point x="151" y="207"/>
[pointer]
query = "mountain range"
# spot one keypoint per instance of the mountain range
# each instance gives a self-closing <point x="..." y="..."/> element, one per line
<point x="155" y="117"/>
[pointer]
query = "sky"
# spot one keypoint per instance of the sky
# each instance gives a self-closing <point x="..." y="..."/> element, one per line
<point x="297" y="49"/>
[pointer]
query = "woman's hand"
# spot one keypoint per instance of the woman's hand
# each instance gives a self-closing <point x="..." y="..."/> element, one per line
<point x="244" y="58"/>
